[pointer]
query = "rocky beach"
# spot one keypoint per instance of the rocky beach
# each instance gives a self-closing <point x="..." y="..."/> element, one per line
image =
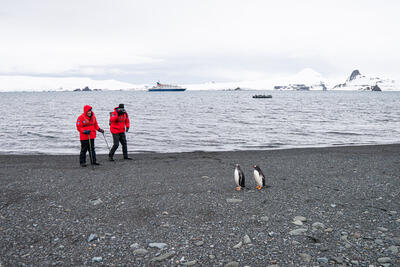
<point x="336" y="206"/>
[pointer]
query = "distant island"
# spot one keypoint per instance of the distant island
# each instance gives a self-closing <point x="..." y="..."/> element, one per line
<point x="360" y="82"/>
<point x="86" y="89"/>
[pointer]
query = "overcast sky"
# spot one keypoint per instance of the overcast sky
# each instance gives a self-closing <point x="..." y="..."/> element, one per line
<point x="192" y="41"/>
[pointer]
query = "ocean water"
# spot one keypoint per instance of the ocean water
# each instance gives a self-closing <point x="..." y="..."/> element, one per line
<point x="44" y="122"/>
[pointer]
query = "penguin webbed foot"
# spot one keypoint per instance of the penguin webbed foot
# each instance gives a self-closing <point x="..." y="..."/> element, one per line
<point x="238" y="188"/>
<point x="259" y="187"/>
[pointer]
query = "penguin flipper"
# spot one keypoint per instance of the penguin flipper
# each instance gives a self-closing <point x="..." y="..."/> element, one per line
<point x="242" y="181"/>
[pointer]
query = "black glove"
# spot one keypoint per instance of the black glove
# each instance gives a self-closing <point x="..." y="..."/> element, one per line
<point x="127" y="129"/>
<point x="86" y="131"/>
<point x="101" y="130"/>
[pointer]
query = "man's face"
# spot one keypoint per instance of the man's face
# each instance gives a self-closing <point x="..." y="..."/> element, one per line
<point x="89" y="113"/>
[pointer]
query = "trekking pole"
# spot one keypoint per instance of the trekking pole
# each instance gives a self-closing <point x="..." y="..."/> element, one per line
<point x="109" y="150"/>
<point x="90" y="152"/>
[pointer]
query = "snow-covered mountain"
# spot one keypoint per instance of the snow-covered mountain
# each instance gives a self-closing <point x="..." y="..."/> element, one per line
<point x="306" y="79"/>
<point x="357" y="81"/>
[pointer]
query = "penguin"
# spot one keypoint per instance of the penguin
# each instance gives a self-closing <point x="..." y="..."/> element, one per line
<point x="259" y="177"/>
<point x="239" y="177"/>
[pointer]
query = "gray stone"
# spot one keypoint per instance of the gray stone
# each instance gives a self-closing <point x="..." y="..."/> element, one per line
<point x="300" y="218"/>
<point x="233" y="200"/>
<point x="134" y="245"/>
<point x="384" y="260"/>
<point x="393" y="249"/>
<point x="297" y="222"/>
<point x="97" y="259"/>
<point x="318" y="225"/>
<point x="238" y="245"/>
<point x="246" y="240"/>
<point x="164" y="256"/>
<point x="232" y="264"/>
<point x="264" y="218"/>
<point x="344" y="238"/>
<point x="322" y="260"/>
<point x="95" y="202"/>
<point x="337" y="259"/>
<point x="382" y="229"/>
<point x="271" y="234"/>
<point x="305" y="257"/>
<point x="158" y="245"/>
<point x="140" y="251"/>
<point x="199" y="243"/>
<point x="92" y="237"/>
<point x="299" y="231"/>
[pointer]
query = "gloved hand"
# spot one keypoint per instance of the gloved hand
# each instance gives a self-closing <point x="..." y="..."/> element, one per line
<point x="127" y="129"/>
<point x="101" y="130"/>
<point x="86" y="131"/>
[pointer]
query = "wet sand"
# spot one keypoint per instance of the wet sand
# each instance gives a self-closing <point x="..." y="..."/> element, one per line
<point x="181" y="209"/>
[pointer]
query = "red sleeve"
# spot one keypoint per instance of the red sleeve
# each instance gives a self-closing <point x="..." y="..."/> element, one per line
<point x="96" y="126"/>
<point x="127" y="123"/>
<point x="79" y="125"/>
<point x="114" y="117"/>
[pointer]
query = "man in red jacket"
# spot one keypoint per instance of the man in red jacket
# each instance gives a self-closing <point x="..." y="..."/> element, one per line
<point x="119" y="124"/>
<point x="87" y="126"/>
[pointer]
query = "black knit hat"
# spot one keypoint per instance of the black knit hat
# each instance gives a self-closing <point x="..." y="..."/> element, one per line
<point x="121" y="106"/>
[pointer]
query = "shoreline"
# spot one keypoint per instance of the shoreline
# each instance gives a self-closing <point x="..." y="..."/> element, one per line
<point x="215" y="151"/>
<point x="181" y="209"/>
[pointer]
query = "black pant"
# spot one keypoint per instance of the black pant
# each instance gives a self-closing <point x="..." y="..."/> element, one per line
<point x="85" y="146"/>
<point x="120" y="137"/>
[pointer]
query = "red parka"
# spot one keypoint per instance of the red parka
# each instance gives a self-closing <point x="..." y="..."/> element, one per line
<point x="85" y="123"/>
<point x="118" y="122"/>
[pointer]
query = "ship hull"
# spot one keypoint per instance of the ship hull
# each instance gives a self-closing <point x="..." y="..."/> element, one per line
<point x="167" y="90"/>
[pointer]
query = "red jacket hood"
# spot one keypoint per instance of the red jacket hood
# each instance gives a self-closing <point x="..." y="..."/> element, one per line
<point x="86" y="108"/>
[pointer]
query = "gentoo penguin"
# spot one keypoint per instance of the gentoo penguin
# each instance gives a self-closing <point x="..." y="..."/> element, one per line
<point x="239" y="177"/>
<point x="259" y="177"/>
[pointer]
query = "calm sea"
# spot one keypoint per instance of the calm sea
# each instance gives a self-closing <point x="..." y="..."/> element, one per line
<point x="44" y="122"/>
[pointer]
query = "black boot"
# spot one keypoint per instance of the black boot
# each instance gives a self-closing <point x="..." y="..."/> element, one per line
<point x="128" y="158"/>
<point x="95" y="163"/>
<point x="83" y="165"/>
<point x="110" y="159"/>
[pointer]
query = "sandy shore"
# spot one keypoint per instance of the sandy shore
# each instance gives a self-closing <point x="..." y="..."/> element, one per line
<point x="182" y="209"/>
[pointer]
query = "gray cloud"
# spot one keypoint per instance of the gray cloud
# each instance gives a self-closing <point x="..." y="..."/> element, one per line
<point x="195" y="68"/>
<point x="196" y="41"/>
